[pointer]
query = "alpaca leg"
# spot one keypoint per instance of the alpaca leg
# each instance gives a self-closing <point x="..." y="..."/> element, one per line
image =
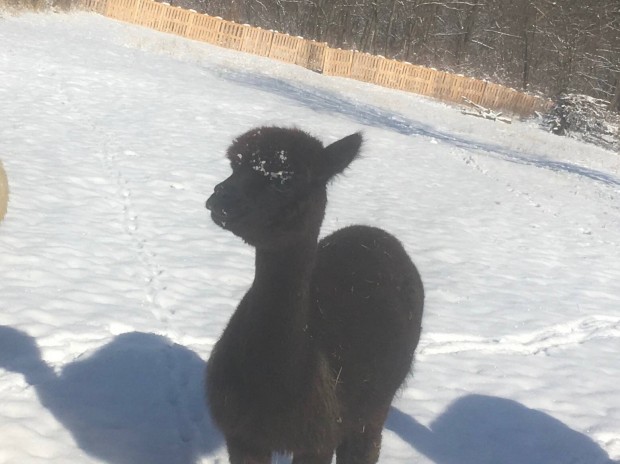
<point x="313" y="458"/>
<point x="362" y="446"/>
<point x="240" y="454"/>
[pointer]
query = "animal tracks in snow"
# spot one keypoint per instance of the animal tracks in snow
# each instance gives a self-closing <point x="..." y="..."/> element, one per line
<point x="549" y="196"/>
<point x="530" y="343"/>
<point x="471" y="161"/>
<point x="131" y="226"/>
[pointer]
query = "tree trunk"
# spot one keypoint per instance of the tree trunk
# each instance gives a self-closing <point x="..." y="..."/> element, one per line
<point x="526" y="56"/>
<point x="614" y="105"/>
<point x="370" y="30"/>
<point x="388" y="34"/>
<point x="467" y="31"/>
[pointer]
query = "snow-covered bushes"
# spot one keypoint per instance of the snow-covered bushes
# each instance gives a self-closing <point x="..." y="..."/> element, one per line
<point x="585" y="118"/>
<point x="4" y="192"/>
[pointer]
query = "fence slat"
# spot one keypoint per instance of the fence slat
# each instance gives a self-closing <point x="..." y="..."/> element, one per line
<point x="231" y="35"/>
<point x="285" y="47"/>
<point x="206" y="29"/>
<point x="338" y="62"/>
<point x="312" y="55"/>
<point x="256" y="41"/>
<point x="364" y="67"/>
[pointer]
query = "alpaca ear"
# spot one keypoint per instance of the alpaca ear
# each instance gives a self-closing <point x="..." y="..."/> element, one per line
<point x="337" y="156"/>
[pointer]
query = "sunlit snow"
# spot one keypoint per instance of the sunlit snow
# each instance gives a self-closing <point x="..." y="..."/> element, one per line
<point x="115" y="284"/>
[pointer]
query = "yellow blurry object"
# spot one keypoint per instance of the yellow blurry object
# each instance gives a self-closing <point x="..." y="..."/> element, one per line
<point x="4" y="192"/>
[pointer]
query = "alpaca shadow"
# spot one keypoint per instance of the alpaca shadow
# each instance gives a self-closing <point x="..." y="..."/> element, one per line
<point x="478" y="429"/>
<point x="138" y="399"/>
<point x="325" y="101"/>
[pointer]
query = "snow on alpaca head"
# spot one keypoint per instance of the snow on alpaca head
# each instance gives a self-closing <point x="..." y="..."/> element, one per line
<point x="280" y="155"/>
<point x="271" y="167"/>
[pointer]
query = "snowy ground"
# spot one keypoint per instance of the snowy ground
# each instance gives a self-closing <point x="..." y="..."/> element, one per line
<point x="114" y="283"/>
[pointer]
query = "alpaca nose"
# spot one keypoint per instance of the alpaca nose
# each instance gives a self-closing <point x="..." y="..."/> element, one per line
<point x="212" y="202"/>
<point x="209" y="203"/>
<point x="222" y="196"/>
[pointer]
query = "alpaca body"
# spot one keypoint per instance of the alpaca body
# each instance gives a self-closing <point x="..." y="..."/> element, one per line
<point x="368" y="297"/>
<point x="312" y="357"/>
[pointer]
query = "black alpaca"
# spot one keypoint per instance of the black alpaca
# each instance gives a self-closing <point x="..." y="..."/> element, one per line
<point x="311" y="359"/>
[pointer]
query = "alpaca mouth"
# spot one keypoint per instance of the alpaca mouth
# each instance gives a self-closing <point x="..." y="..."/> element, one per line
<point x="223" y="216"/>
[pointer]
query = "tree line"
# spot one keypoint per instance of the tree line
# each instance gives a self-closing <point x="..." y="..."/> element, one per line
<point x="546" y="46"/>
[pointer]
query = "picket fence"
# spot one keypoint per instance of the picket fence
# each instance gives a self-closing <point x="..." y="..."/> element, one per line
<point x="318" y="56"/>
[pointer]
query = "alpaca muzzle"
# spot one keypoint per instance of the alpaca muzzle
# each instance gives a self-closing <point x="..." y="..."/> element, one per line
<point x="225" y="205"/>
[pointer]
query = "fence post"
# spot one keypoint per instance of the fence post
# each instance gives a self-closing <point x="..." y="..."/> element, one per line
<point x="326" y="58"/>
<point x="323" y="57"/>
<point x="108" y="8"/>
<point x="137" y="10"/>
<point x="190" y="24"/>
<point x="272" y="35"/>
<point x="160" y="17"/>
<point x="483" y="93"/>
<point x="297" y="46"/>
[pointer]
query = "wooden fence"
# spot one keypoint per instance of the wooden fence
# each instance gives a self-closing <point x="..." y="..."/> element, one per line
<point x="318" y="56"/>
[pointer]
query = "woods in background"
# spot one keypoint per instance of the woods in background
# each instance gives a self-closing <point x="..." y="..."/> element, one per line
<point x="548" y="46"/>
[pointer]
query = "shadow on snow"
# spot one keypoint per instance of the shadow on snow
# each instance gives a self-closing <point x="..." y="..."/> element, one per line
<point x="478" y="429"/>
<point x="324" y="101"/>
<point x="140" y="399"/>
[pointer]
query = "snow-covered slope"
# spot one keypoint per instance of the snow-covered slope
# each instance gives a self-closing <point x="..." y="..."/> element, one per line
<point x="114" y="283"/>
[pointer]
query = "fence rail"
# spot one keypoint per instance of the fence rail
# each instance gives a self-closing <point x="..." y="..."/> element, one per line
<point x="318" y="56"/>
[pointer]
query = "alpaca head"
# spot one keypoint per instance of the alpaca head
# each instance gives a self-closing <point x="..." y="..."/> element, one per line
<point x="18" y="351"/>
<point x="277" y="190"/>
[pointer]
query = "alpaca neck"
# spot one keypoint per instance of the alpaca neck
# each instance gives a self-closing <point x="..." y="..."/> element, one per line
<point x="284" y="276"/>
<point x="280" y="292"/>
<point x="277" y="305"/>
<point x="38" y="373"/>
